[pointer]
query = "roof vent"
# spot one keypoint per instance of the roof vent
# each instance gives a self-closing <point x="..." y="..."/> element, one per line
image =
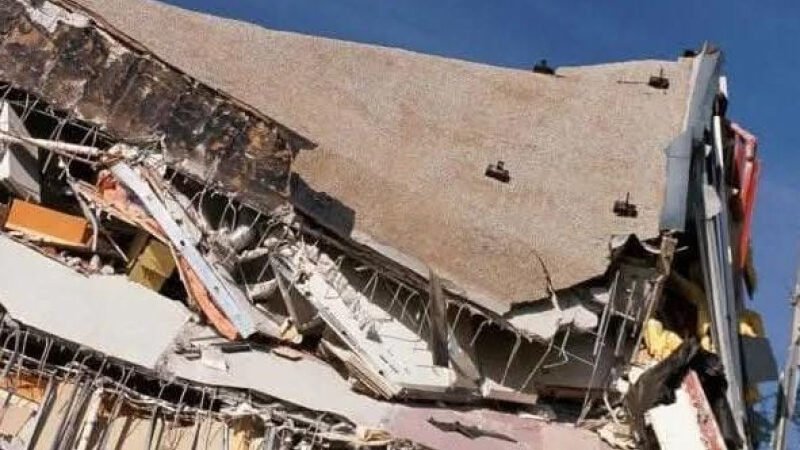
<point x="659" y="81"/>
<point x="624" y="208"/>
<point x="543" y="68"/>
<point x="498" y="172"/>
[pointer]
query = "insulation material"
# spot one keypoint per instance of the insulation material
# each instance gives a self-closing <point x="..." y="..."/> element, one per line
<point x="47" y="225"/>
<point x="750" y="324"/>
<point x="659" y="341"/>
<point x="747" y="166"/>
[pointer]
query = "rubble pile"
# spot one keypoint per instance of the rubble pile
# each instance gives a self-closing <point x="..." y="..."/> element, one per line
<point x="170" y="276"/>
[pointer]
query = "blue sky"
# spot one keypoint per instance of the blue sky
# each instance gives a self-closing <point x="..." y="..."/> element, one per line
<point x="760" y="40"/>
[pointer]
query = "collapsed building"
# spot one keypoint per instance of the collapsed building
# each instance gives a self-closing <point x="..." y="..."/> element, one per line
<point x="218" y="235"/>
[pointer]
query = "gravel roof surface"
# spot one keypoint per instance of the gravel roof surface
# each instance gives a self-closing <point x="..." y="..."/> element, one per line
<point x="404" y="139"/>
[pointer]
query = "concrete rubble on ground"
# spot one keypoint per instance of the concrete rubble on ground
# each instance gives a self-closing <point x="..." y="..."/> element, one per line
<point x="334" y="245"/>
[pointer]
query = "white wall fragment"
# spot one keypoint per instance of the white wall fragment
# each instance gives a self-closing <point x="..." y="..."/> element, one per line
<point x="19" y="164"/>
<point x="675" y="425"/>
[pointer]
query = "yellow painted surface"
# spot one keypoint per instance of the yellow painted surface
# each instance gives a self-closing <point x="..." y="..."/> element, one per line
<point x="153" y="265"/>
<point x="659" y="341"/>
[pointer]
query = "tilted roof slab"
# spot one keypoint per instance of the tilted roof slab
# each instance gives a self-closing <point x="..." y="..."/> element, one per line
<point x="404" y="139"/>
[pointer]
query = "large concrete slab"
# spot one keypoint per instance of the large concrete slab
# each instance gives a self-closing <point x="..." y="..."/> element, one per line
<point x="107" y="313"/>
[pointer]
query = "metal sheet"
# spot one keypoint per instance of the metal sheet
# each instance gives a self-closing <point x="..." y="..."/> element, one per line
<point x="437" y="308"/>
<point x="759" y="360"/>
<point x="679" y="158"/>
<point x="705" y="75"/>
<point x="787" y="394"/>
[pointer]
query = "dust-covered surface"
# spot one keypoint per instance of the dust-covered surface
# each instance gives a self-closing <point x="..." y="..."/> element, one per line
<point x="67" y="304"/>
<point x="404" y="140"/>
<point x="131" y="95"/>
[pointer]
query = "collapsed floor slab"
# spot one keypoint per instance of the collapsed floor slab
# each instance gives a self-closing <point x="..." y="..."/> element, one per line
<point x="107" y="313"/>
